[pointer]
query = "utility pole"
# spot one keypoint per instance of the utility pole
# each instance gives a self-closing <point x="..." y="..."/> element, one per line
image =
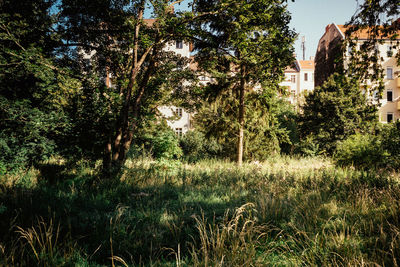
<point x="303" y="46"/>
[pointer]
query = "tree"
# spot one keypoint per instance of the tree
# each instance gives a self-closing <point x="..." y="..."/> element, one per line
<point x="128" y="49"/>
<point x="34" y="87"/>
<point x="264" y="130"/>
<point x="336" y="110"/>
<point x="380" y="20"/>
<point x="244" y="46"/>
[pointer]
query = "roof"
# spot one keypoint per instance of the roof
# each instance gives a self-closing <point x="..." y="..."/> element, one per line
<point x="307" y="64"/>
<point x="363" y="33"/>
<point x="293" y="67"/>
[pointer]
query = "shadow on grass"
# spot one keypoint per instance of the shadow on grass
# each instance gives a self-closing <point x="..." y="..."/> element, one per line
<point x="141" y="221"/>
<point x="140" y="217"/>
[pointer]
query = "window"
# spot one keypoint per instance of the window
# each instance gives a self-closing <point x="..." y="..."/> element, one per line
<point x="305" y="76"/>
<point x="389" y="73"/>
<point x="389" y="95"/>
<point x="389" y="117"/>
<point x="203" y="78"/>
<point x="178" y="132"/>
<point x="179" y="112"/>
<point x="293" y="78"/>
<point x="179" y="44"/>
<point x="293" y="93"/>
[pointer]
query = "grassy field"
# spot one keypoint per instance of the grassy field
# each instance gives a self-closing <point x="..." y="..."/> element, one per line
<point x="282" y="212"/>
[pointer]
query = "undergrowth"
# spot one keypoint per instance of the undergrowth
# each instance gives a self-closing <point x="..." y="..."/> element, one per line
<point x="284" y="211"/>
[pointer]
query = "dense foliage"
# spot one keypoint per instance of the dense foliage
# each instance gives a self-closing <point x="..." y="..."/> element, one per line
<point x="35" y="88"/>
<point x="244" y="46"/>
<point x="336" y="110"/>
<point x="268" y="125"/>
<point x="378" y="150"/>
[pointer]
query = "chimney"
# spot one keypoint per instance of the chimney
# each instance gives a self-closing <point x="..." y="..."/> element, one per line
<point x="312" y="58"/>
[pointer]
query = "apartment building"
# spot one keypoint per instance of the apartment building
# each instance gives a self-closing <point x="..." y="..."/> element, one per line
<point x="330" y="49"/>
<point x="177" y="118"/>
<point x="299" y="79"/>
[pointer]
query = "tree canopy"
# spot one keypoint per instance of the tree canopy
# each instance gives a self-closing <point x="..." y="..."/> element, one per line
<point x="244" y="46"/>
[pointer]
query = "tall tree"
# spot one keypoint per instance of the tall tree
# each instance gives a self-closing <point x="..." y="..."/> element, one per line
<point x="128" y="50"/>
<point x="245" y="45"/>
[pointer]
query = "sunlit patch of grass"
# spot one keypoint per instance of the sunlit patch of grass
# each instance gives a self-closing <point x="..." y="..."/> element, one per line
<point x="304" y="211"/>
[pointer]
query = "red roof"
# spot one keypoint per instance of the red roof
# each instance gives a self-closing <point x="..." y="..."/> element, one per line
<point x="365" y="33"/>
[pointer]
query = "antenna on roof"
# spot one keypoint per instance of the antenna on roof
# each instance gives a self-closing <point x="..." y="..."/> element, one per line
<point x="303" y="46"/>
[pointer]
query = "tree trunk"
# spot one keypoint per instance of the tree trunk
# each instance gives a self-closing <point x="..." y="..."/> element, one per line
<point x="107" y="167"/>
<point x="239" y="158"/>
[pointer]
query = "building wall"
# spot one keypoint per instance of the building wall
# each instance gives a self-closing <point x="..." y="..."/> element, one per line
<point x="390" y="84"/>
<point x="329" y="51"/>
<point x="309" y="84"/>
<point x="298" y="89"/>
<point x="180" y="124"/>
<point x="184" y="51"/>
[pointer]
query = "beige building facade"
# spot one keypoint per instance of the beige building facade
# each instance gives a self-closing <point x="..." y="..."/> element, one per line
<point x="330" y="47"/>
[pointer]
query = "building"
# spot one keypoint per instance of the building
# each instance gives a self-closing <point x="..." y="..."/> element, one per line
<point x="330" y="50"/>
<point x="177" y="118"/>
<point x="299" y="79"/>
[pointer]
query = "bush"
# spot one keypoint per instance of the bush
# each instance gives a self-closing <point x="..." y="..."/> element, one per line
<point x="196" y="146"/>
<point x="362" y="151"/>
<point x="28" y="135"/>
<point x="390" y="136"/>
<point x="166" y="146"/>
<point x="307" y="147"/>
<point x="336" y="110"/>
<point x="155" y="139"/>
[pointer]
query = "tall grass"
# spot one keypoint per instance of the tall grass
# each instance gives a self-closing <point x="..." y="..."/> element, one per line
<point x="284" y="211"/>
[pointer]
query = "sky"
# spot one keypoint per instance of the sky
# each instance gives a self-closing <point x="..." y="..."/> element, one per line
<point x="310" y="17"/>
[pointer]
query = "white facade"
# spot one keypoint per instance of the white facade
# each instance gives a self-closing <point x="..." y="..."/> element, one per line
<point x="299" y="79"/>
<point x="177" y="118"/>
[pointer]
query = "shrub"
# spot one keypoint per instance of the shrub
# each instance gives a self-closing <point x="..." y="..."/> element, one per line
<point x="390" y="136"/>
<point x="362" y="151"/>
<point x="307" y="147"/>
<point x="196" y="146"/>
<point x="155" y="139"/>
<point x="336" y="110"/>
<point x="166" y="146"/>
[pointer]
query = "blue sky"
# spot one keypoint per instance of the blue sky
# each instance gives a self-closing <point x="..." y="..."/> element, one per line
<point x="309" y="18"/>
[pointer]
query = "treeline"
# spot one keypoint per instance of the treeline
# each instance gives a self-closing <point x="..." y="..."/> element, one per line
<point x="84" y="79"/>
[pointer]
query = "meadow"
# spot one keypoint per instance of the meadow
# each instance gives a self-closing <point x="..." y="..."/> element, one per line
<point x="285" y="211"/>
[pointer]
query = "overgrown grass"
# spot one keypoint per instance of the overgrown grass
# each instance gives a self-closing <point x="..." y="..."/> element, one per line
<point x="284" y="212"/>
